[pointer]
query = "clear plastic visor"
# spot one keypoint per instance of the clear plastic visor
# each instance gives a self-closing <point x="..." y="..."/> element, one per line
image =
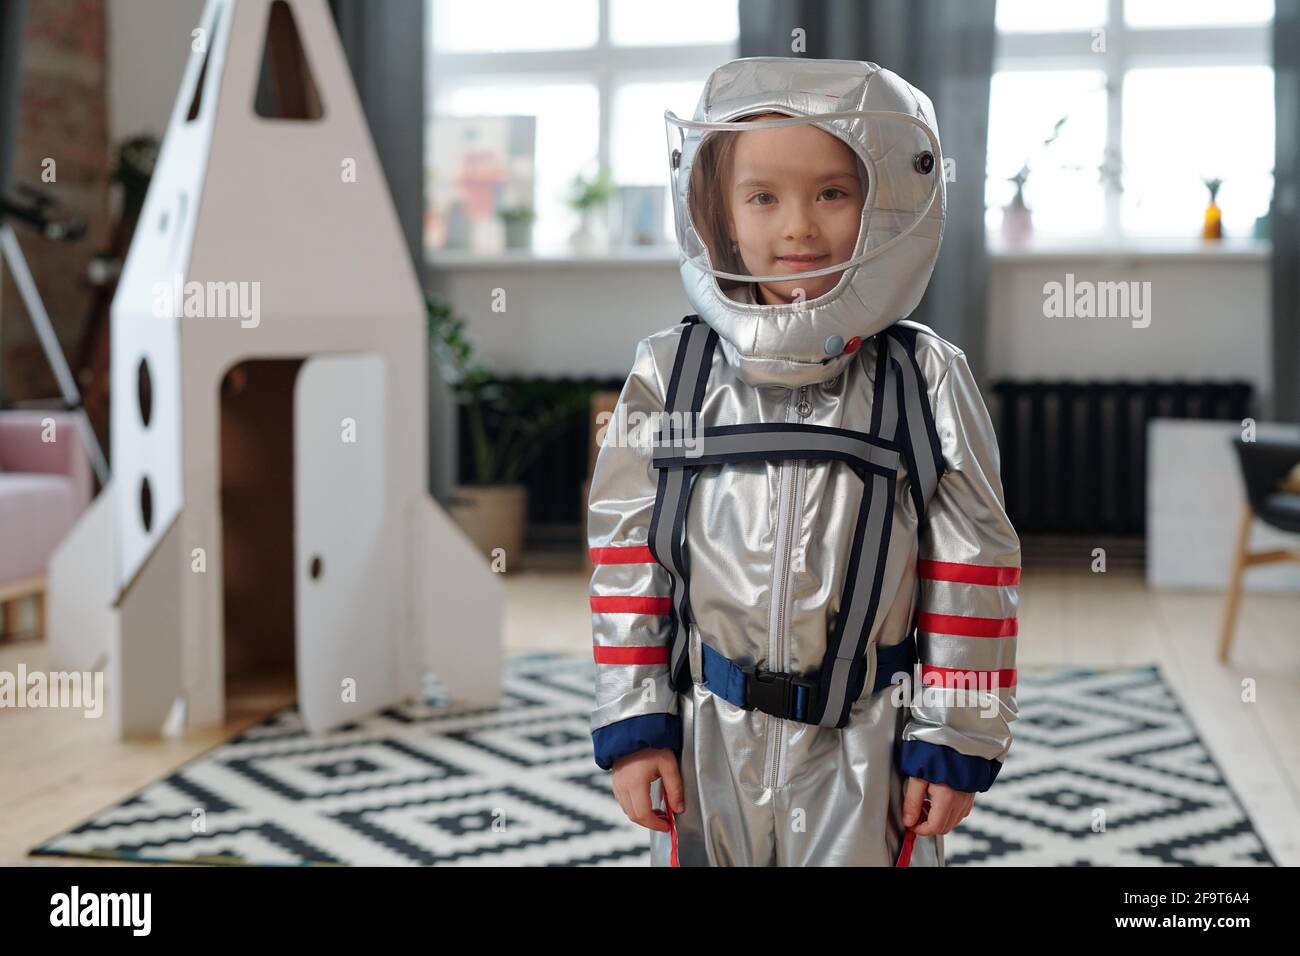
<point x="779" y="200"/>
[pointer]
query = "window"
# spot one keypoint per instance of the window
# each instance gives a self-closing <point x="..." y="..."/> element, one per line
<point x="1121" y="109"/>
<point x="595" y="76"/>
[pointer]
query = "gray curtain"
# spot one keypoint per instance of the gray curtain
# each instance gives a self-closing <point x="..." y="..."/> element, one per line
<point x="385" y="45"/>
<point x="1285" y="214"/>
<point x="945" y="48"/>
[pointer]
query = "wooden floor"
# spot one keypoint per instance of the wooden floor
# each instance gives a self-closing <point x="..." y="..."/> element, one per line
<point x="58" y="768"/>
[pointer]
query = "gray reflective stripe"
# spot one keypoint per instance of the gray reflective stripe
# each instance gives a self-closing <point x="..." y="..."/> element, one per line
<point x="927" y="477"/>
<point x="764" y="442"/>
<point x="854" y="627"/>
<point x="889" y="392"/>
<point x="855" y="620"/>
<point x="669" y="530"/>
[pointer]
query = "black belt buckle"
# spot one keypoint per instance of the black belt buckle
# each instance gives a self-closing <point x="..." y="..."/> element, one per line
<point x="775" y="693"/>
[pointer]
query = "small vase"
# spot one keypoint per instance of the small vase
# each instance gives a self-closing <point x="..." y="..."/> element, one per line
<point x="1213" y="228"/>
<point x="1017" y="224"/>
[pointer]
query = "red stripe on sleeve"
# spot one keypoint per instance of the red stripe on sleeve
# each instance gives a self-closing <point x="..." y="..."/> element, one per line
<point x="964" y="677"/>
<point x="967" y="573"/>
<point x="625" y="554"/>
<point x="964" y="626"/>
<point x="631" y="605"/>
<point x="638" y="654"/>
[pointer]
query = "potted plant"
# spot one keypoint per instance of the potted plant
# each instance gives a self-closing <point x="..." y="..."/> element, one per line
<point x="587" y="197"/>
<point x="509" y="425"/>
<point x="1017" y="219"/>
<point x="518" y="221"/>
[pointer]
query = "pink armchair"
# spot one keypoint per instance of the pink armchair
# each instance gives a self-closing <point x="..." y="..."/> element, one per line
<point x="44" y="488"/>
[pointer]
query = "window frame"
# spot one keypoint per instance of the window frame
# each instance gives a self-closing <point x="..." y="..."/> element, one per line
<point x="606" y="65"/>
<point x="1129" y="48"/>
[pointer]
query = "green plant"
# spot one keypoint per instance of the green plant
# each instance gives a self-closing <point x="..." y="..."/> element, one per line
<point x="1213" y="184"/>
<point x="1022" y="177"/>
<point x="517" y="214"/>
<point x="510" y="423"/>
<point x="588" y="194"/>
<point x="133" y="168"/>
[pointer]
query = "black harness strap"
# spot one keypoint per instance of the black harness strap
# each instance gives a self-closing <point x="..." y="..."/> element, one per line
<point x="690" y="375"/>
<point x="900" y="415"/>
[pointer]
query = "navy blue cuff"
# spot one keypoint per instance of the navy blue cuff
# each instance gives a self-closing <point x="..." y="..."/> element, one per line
<point x="938" y="763"/>
<point x="636" y="733"/>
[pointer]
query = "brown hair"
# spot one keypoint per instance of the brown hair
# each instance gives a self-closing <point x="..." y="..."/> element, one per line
<point x="709" y="198"/>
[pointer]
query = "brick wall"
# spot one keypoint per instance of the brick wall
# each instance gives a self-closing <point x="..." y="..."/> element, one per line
<point x="64" y="118"/>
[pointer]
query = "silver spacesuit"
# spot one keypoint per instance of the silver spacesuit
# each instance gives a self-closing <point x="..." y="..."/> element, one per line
<point x="796" y="506"/>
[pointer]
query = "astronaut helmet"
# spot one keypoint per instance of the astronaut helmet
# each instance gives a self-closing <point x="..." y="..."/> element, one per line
<point x="809" y="205"/>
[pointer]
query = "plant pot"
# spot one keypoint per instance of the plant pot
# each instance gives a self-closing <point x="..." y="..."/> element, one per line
<point x="493" y="516"/>
<point x="519" y="234"/>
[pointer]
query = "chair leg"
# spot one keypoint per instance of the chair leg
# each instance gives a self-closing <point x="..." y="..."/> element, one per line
<point x="1234" y="584"/>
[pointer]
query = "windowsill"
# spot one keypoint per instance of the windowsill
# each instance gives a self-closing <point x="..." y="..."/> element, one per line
<point x="1044" y="249"/>
<point x="1040" y="249"/>
<point x="529" y="259"/>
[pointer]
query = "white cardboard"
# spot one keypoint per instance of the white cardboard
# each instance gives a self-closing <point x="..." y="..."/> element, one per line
<point x="245" y="199"/>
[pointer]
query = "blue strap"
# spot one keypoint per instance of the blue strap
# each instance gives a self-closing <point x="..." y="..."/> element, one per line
<point x="725" y="678"/>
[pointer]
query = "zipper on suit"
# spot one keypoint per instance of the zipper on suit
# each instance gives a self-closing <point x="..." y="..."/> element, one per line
<point x="791" y="477"/>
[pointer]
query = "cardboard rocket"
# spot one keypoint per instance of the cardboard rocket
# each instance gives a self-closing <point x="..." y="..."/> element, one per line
<point x="268" y="511"/>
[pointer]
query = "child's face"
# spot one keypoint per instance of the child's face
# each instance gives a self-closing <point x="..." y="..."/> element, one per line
<point x="796" y="205"/>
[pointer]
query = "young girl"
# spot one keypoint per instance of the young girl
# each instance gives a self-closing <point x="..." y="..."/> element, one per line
<point x="797" y="503"/>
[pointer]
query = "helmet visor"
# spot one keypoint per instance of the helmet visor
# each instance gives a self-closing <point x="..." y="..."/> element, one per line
<point x="795" y="201"/>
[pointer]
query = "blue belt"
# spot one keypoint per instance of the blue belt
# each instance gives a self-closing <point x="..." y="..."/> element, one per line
<point x="790" y="695"/>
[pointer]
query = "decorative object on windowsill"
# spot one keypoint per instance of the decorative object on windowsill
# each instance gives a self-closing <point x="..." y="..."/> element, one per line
<point x="1213" y="228"/>
<point x="590" y="198"/>
<point x="1017" y="218"/>
<point x="508" y="428"/>
<point x="641" y="215"/>
<point x="1263" y="224"/>
<point x="518" y="221"/>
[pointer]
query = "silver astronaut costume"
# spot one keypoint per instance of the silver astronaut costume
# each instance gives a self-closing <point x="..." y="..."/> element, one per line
<point x="825" y="516"/>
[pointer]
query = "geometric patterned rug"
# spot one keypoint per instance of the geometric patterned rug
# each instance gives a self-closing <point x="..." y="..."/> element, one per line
<point x="515" y="785"/>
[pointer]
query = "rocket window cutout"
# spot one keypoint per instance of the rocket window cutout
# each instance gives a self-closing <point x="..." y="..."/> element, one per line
<point x="144" y="391"/>
<point x="285" y="88"/>
<point x="196" y="104"/>
<point x="146" y="504"/>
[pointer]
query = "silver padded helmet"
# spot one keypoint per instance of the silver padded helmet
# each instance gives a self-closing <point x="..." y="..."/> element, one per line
<point x="890" y="126"/>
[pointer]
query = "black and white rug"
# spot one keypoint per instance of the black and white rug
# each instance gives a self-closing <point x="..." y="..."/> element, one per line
<point x="516" y="786"/>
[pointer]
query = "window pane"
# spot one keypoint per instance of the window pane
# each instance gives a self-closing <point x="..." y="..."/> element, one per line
<point x="568" y="127"/>
<point x="639" y="150"/>
<point x="486" y="26"/>
<point x="1033" y="16"/>
<point x="673" y="22"/>
<point x="1195" y="13"/>
<point x="1064" y="189"/>
<point x="1182" y="124"/>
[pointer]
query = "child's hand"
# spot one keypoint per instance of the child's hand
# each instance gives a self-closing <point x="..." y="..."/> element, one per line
<point x="948" y="807"/>
<point x="633" y="775"/>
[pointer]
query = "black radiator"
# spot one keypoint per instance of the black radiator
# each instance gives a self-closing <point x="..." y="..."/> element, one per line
<point x="1074" y="454"/>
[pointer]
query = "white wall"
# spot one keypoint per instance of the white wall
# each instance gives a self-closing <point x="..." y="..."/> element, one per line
<point x="148" y="44"/>
<point x="1209" y="317"/>
<point x="1209" y="320"/>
